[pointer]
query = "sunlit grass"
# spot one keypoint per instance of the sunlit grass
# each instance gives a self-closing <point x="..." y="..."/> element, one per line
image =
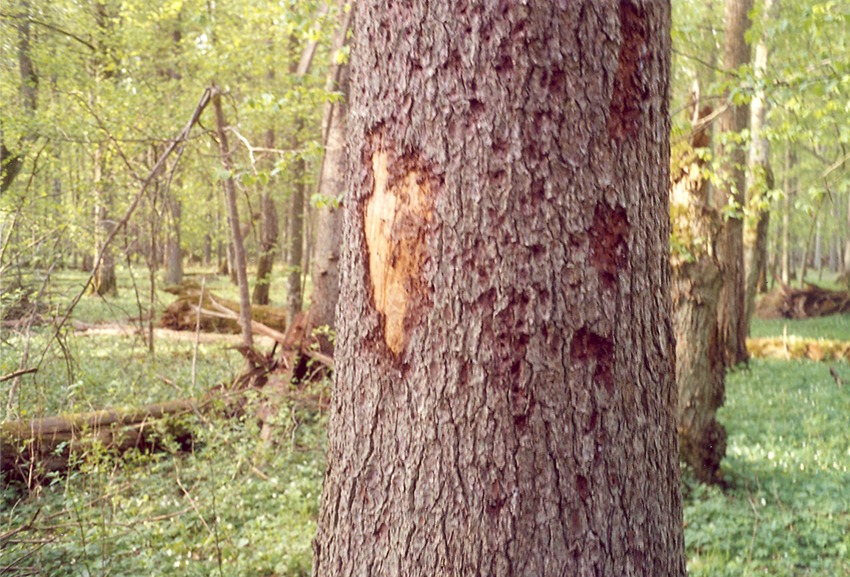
<point x="835" y="327"/>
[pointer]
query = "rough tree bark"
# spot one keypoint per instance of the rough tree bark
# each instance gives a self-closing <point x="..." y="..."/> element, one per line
<point x="325" y="273"/>
<point x="233" y="219"/>
<point x="697" y="281"/>
<point x="731" y="314"/>
<point x="505" y="399"/>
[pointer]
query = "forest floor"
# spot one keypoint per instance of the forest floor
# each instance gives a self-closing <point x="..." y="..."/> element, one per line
<point x="241" y="503"/>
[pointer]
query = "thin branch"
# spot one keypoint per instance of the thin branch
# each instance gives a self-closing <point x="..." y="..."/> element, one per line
<point x="252" y="149"/>
<point x="703" y="62"/>
<point x="49" y="26"/>
<point x="18" y="373"/>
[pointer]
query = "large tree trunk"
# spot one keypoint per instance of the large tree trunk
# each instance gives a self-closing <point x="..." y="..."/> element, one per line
<point x="325" y="274"/>
<point x="697" y="281"/>
<point x="505" y="400"/>
<point x="759" y="176"/>
<point x="731" y="314"/>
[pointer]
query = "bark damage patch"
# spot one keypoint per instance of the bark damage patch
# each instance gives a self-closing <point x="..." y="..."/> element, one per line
<point x="631" y="87"/>
<point x="609" y="238"/>
<point x="595" y="353"/>
<point x="395" y="224"/>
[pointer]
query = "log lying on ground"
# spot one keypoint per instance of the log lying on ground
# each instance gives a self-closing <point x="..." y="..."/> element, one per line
<point x="37" y="447"/>
<point x="217" y="314"/>
<point x="31" y="449"/>
<point x="797" y="348"/>
<point x="810" y="301"/>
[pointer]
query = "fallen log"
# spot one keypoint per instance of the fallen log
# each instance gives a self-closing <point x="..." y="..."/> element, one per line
<point x="217" y="314"/>
<point x="802" y="303"/>
<point x="33" y="448"/>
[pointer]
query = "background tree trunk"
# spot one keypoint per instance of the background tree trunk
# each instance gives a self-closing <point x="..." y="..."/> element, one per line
<point x="847" y="243"/>
<point x="103" y="282"/>
<point x="325" y="274"/>
<point x="269" y="226"/>
<point x="697" y="281"/>
<point x="268" y="249"/>
<point x="759" y="175"/>
<point x="295" y="297"/>
<point x="789" y="186"/>
<point x="11" y="159"/>
<point x="269" y="232"/>
<point x="233" y="217"/>
<point x="294" y="292"/>
<point x="173" y="254"/>
<point x="504" y="396"/>
<point x="731" y="314"/>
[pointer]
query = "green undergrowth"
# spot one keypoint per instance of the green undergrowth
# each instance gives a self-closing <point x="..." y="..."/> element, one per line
<point x="233" y="505"/>
<point x="786" y="511"/>
<point x="86" y="372"/>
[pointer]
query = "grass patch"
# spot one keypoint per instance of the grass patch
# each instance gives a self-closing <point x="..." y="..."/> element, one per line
<point x="787" y="512"/>
<point x="835" y="327"/>
<point x="234" y="506"/>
